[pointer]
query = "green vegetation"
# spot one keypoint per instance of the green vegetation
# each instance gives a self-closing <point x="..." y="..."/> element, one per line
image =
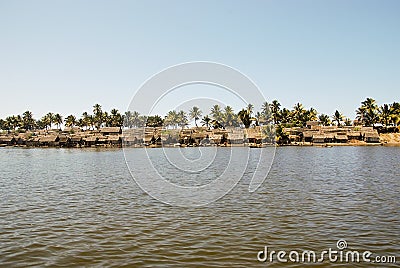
<point x="368" y="114"/>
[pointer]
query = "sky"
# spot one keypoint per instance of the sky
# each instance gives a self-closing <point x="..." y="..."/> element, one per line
<point x="65" y="56"/>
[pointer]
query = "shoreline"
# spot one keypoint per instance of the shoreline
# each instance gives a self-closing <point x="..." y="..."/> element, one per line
<point x="254" y="137"/>
<point x="325" y="145"/>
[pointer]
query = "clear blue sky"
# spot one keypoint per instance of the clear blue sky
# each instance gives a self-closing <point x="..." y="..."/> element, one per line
<point x="64" y="56"/>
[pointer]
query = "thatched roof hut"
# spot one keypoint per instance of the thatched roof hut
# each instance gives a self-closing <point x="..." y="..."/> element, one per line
<point x="110" y="130"/>
<point x="310" y="124"/>
<point x="341" y="138"/>
<point x="308" y="136"/>
<point x="91" y="138"/>
<point x="72" y="130"/>
<point x="114" y="139"/>
<point x="64" y="140"/>
<point x="216" y="138"/>
<point x="197" y="137"/>
<point x="7" y="140"/>
<point x="235" y="136"/>
<point x="354" y="135"/>
<point x="371" y="137"/>
<point x="148" y="138"/>
<point x="48" y="140"/>
<point x="318" y="138"/>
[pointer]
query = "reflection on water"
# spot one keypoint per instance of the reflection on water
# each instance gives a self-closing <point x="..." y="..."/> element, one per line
<point x="80" y="207"/>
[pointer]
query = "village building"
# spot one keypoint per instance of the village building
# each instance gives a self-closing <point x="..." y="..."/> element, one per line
<point x="106" y="131"/>
<point x="49" y="141"/>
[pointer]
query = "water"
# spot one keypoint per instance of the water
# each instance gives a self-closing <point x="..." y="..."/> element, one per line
<point x="72" y="207"/>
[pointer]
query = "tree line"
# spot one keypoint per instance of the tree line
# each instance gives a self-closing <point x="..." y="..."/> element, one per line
<point x="368" y="114"/>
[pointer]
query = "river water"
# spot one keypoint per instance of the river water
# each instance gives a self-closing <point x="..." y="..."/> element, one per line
<point x="81" y="207"/>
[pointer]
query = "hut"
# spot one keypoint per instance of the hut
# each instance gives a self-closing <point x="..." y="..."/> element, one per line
<point x="148" y="139"/>
<point x="341" y="138"/>
<point x="185" y="136"/>
<point x="101" y="140"/>
<point x="114" y="140"/>
<point x="310" y="124"/>
<point x="129" y="140"/>
<point x="294" y="138"/>
<point x="354" y="135"/>
<point x="106" y="131"/>
<point x="71" y="130"/>
<point x="7" y="140"/>
<point x="216" y="138"/>
<point x="371" y="137"/>
<point x="33" y="141"/>
<point x="49" y="140"/>
<point x="197" y="137"/>
<point x="64" y="141"/>
<point x="318" y="138"/>
<point x="235" y="136"/>
<point x="367" y="129"/>
<point x="329" y="137"/>
<point x="21" y="139"/>
<point x="254" y="135"/>
<point x="90" y="141"/>
<point x="76" y="141"/>
<point x="308" y="136"/>
<point x="168" y="138"/>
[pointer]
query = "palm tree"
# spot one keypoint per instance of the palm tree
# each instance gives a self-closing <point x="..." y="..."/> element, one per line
<point x="312" y="114"/>
<point x="245" y="117"/>
<point x="275" y="109"/>
<point x="206" y="121"/>
<point x="371" y="117"/>
<point x="13" y="122"/>
<point x="395" y="107"/>
<point x="28" y="123"/>
<point x="172" y="119"/>
<point x="80" y="122"/>
<point x="367" y="113"/>
<point x="337" y="116"/>
<point x="195" y="113"/>
<point x="347" y="122"/>
<point x="154" y="121"/>
<point x="324" y="119"/>
<point x="298" y="113"/>
<point x="70" y="121"/>
<point x="360" y="112"/>
<point x="86" y="120"/>
<point x="98" y="115"/>
<point x="106" y="119"/>
<point x="216" y="113"/>
<point x="259" y="118"/>
<point x="136" y="119"/>
<point x="48" y="120"/>
<point x="128" y="119"/>
<point x="182" y="119"/>
<point x="369" y="103"/>
<point x="395" y="118"/>
<point x="115" y="118"/>
<point x="229" y="117"/>
<point x="285" y="115"/>
<point x="385" y="112"/>
<point x="266" y="112"/>
<point x="40" y="124"/>
<point x="58" y="120"/>
<point x="141" y="120"/>
<point x="250" y="108"/>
